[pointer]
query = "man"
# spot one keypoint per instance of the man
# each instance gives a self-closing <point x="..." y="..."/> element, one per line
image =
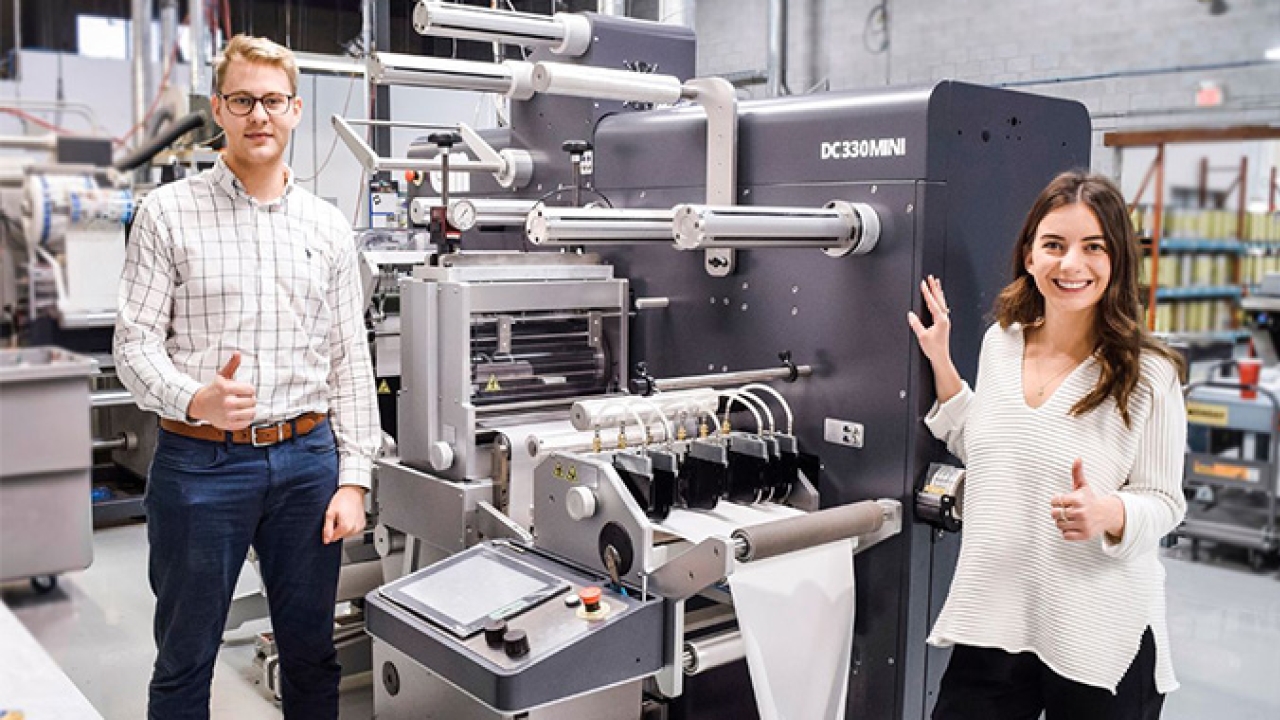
<point x="241" y="324"/>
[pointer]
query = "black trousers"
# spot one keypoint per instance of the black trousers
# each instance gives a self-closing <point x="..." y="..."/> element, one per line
<point x="989" y="684"/>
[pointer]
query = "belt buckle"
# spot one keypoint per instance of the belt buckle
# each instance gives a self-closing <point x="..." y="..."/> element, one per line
<point x="253" y="434"/>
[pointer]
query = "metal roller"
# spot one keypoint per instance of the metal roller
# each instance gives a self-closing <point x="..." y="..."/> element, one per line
<point x="741" y="377"/>
<point x="562" y="33"/>
<point x="110" y="398"/>
<point x="123" y="441"/>
<point x="597" y="226"/>
<point x="780" y="537"/>
<point x="387" y="68"/>
<point x="610" y="412"/>
<point x="839" y="228"/>
<point x="713" y="651"/>
<point x="468" y="213"/>
<point x="607" y="84"/>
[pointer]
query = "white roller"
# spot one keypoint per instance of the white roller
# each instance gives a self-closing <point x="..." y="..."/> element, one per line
<point x="399" y="69"/>
<point x="840" y="228"/>
<point x="563" y="34"/>
<point x="606" y="83"/>
<point x="513" y="78"/>
<point x="466" y="213"/>
<point x="552" y="225"/>
<point x="611" y="411"/>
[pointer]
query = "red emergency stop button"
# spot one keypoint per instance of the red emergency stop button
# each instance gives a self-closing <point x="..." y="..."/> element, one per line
<point x="590" y="598"/>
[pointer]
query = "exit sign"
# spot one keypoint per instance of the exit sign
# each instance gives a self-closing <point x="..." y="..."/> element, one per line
<point x="1209" y="94"/>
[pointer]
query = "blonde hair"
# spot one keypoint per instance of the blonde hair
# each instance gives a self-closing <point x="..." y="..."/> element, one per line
<point x="256" y="50"/>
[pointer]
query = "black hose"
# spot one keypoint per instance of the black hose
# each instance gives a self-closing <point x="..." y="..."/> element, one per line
<point x="143" y="155"/>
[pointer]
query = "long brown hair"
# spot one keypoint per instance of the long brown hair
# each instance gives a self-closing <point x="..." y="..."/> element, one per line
<point x="1121" y="335"/>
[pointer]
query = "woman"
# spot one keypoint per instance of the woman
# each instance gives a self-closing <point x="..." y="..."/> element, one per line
<point x="1073" y="443"/>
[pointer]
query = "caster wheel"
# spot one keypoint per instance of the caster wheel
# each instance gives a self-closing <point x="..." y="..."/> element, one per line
<point x="44" y="583"/>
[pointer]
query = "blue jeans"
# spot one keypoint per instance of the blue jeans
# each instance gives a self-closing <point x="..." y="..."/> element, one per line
<point x="206" y="503"/>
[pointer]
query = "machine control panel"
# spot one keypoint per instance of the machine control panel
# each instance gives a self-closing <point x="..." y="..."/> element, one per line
<point x="521" y="633"/>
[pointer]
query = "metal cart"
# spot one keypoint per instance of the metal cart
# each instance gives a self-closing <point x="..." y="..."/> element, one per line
<point x="1230" y="473"/>
<point x="46" y="522"/>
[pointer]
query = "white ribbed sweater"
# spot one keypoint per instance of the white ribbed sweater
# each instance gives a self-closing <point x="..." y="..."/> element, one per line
<point x="1081" y="607"/>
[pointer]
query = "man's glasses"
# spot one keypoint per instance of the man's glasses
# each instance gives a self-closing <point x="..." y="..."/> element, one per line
<point x="241" y="104"/>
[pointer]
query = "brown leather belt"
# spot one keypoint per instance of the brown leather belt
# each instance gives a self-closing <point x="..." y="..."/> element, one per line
<point x="256" y="435"/>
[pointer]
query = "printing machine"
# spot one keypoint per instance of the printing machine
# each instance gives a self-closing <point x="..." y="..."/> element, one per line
<point x="634" y="256"/>
<point x="65" y="210"/>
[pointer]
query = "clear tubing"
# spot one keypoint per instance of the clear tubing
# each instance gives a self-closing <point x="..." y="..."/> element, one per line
<point x="786" y="407"/>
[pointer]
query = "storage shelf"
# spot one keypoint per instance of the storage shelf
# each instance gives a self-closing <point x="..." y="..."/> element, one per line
<point x="1231" y="247"/>
<point x="1234" y="335"/>
<point x="1198" y="292"/>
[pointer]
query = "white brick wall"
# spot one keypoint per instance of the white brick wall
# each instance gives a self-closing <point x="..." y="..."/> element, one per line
<point x="1142" y="48"/>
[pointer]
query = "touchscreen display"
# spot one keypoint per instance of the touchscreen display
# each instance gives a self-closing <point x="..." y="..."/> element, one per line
<point x="469" y="591"/>
<point x="461" y="593"/>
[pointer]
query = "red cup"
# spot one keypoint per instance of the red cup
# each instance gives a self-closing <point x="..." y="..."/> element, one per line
<point x="1250" y="369"/>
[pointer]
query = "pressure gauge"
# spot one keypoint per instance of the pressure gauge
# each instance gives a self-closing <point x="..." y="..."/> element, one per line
<point x="462" y="214"/>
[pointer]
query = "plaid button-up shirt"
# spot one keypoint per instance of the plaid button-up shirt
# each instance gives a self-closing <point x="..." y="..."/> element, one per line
<point x="210" y="270"/>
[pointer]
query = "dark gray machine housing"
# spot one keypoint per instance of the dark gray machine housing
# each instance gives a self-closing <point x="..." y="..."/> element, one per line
<point x="952" y="185"/>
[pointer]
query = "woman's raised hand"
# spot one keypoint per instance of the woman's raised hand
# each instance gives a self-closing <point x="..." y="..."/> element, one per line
<point x="935" y="340"/>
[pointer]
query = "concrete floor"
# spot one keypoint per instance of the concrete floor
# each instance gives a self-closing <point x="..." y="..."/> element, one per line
<point x="97" y="626"/>
<point x="1224" y="624"/>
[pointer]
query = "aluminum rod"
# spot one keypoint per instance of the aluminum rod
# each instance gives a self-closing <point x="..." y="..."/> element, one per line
<point x="467" y="213"/>
<point x="562" y="33"/>
<point x="141" y="50"/>
<point x="29" y="142"/>
<point x="110" y="398"/>
<point x="713" y="651"/>
<point x="777" y="48"/>
<point x="652" y="303"/>
<point x="607" y="84"/>
<point x="597" y="226"/>
<point x="412" y="70"/>
<point x="402" y="123"/>
<point x="740" y="377"/>
<point x="611" y="411"/>
<point x="839" y="228"/>
<point x="122" y="441"/>
<point x="199" y="36"/>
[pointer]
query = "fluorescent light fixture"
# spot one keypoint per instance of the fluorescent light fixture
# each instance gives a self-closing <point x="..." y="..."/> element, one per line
<point x="315" y="62"/>
<point x="1274" y="53"/>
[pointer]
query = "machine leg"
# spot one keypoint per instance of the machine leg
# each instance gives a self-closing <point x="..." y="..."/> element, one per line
<point x="1195" y="550"/>
<point x="1257" y="560"/>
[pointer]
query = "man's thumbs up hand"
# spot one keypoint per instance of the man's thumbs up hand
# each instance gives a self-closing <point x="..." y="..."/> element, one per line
<point x="225" y="403"/>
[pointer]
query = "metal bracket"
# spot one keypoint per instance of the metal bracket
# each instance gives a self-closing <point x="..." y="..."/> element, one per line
<point x="892" y="526"/>
<point x="493" y="524"/>
<point x="687" y="574"/>
<point x="719" y="100"/>
<point x="504" y="334"/>
<point x="509" y="167"/>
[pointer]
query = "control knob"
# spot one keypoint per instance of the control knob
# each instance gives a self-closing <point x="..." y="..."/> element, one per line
<point x="515" y="643"/>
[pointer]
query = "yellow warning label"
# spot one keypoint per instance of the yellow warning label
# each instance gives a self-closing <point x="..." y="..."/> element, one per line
<point x="1227" y="471"/>
<point x="384" y="388"/>
<point x="1206" y="414"/>
<point x="492" y="385"/>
